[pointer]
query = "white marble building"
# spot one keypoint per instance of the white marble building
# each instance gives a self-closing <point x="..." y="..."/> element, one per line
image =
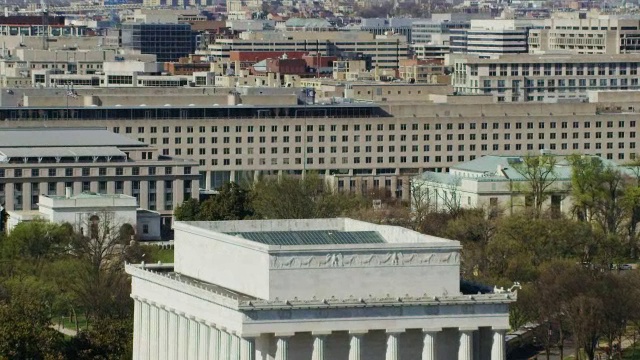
<point x="327" y="289"/>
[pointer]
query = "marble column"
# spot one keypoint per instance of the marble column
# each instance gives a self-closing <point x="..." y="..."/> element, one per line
<point x="163" y="333"/>
<point x="498" y="344"/>
<point x="282" y="346"/>
<point x="137" y="327"/>
<point x="183" y="336"/>
<point x="318" y="345"/>
<point x="225" y="345"/>
<point x="173" y="334"/>
<point x="465" y="351"/>
<point x="154" y="334"/>
<point x="144" y="332"/>
<point x="392" y="344"/>
<point x="262" y="346"/>
<point x="235" y="347"/>
<point x="214" y="342"/>
<point x="193" y="338"/>
<point x="203" y="341"/>
<point x="355" y="343"/>
<point x="429" y="343"/>
<point x="247" y="349"/>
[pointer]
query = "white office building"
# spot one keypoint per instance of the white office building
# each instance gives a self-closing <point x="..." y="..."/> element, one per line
<point x="332" y="289"/>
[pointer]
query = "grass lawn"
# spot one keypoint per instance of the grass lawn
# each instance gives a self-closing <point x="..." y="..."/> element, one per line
<point x="153" y="254"/>
<point x="628" y="353"/>
<point x="67" y="323"/>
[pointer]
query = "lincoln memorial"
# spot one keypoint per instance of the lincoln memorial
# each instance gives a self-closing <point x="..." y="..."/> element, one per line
<point x="323" y="289"/>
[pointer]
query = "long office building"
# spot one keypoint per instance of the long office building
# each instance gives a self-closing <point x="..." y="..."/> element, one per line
<point x="581" y="33"/>
<point x="543" y="78"/>
<point x="36" y="161"/>
<point x="360" y="146"/>
<point x="385" y="50"/>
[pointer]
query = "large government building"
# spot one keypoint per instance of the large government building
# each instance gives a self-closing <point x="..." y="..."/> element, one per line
<point x="333" y="289"/>
<point x="360" y="145"/>
<point x="47" y="161"/>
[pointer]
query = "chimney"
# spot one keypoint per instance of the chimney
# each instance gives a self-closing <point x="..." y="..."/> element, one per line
<point x="68" y="192"/>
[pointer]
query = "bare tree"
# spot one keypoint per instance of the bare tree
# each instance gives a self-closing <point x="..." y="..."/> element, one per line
<point x="421" y="199"/>
<point x="426" y="197"/>
<point x="100" y="240"/>
<point x="451" y="197"/>
<point x="539" y="175"/>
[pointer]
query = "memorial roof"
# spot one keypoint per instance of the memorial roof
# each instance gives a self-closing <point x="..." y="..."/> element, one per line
<point x="311" y="237"/>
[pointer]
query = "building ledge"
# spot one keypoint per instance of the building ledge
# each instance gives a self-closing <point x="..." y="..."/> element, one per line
<point x="500" y="298"/>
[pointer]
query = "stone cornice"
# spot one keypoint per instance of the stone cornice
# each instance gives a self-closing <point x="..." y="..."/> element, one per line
<point x="183" y="286"/>
<point x="505" y="298"/>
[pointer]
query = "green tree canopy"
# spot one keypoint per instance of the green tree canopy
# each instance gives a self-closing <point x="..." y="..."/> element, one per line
<point x="232" y="202"/>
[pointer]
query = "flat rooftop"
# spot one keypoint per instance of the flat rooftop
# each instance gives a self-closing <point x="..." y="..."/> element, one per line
<point x="311" y="237"/>
<point x="63" y="137"/>
<point x="317" y="233"/>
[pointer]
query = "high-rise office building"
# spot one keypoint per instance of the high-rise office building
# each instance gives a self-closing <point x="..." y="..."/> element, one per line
<point x="169" y="42"/>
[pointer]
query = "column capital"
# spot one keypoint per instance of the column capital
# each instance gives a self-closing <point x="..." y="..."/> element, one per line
<point x="284" y="335"/>
<point x="358" y="332"/>
<point x="467" y="328"/>
<point x="321" y="333"/>
<point x="431" y="330"/>
<point x="395" y="331"/>
<point x="500" y="328"/>
<point x="250" y="335"/>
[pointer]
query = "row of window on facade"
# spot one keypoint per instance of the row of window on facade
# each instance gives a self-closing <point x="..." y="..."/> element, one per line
<point x="413" y="159"/>
<point x="557" y="69"/>
<point x="354" y="127"/>
<point x="52" y="189"/>
<point x="85" y="171"/>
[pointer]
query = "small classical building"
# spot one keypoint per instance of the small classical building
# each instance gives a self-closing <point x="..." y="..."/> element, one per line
<point x="83" y="209"/>
<point x="492" y="182"/>
<point x="332" y="289"/>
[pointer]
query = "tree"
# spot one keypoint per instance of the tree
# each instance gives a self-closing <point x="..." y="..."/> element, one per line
<point x="187" y="211"/>
<point x="598" y="191"/>
<point x="474" y="230"/>
<point x="544" y="299"/>
<point x="36" y="240"/>
<point x="99" y="241"/>
<point x="295" y="198"/>
<point x="108" y="339"/>
<point x="539" y="175"/>
<point x="25" y="320"/>
<point x="232" y="202"/>
<point x="523" y="242"/>
<point x="421" y="198"/>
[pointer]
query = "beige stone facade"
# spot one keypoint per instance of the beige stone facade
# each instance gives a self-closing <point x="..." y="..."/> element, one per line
<point x="363" y="146"/>
<point x="158" y="182"/>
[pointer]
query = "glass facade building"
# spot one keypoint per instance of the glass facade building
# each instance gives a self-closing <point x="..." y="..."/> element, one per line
<point x="168" y="42"/>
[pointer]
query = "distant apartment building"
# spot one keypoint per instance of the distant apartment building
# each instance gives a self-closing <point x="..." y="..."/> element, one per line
<point x="543" y="78"/>
<point x="384" y="26"/>
<point x="37" y="161"/>
<point x="27" y="67"/>
<point x="385" y="50"/>
<point x="585" y="33"/>
<point x="424" y="31"/>
<point x="126" y="74"/>
<point x="168" y="42"/>
<point x="415" y="71"/>
<point x="493" y="37"/>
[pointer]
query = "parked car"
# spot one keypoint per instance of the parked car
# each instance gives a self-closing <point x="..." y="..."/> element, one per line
<point x="625" y="267"/>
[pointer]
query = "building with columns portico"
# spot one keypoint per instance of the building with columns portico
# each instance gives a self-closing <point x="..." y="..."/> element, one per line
<point x="324" y="289"/>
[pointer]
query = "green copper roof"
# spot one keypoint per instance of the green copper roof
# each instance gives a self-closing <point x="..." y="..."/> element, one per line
<point x="311" y="237"/>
